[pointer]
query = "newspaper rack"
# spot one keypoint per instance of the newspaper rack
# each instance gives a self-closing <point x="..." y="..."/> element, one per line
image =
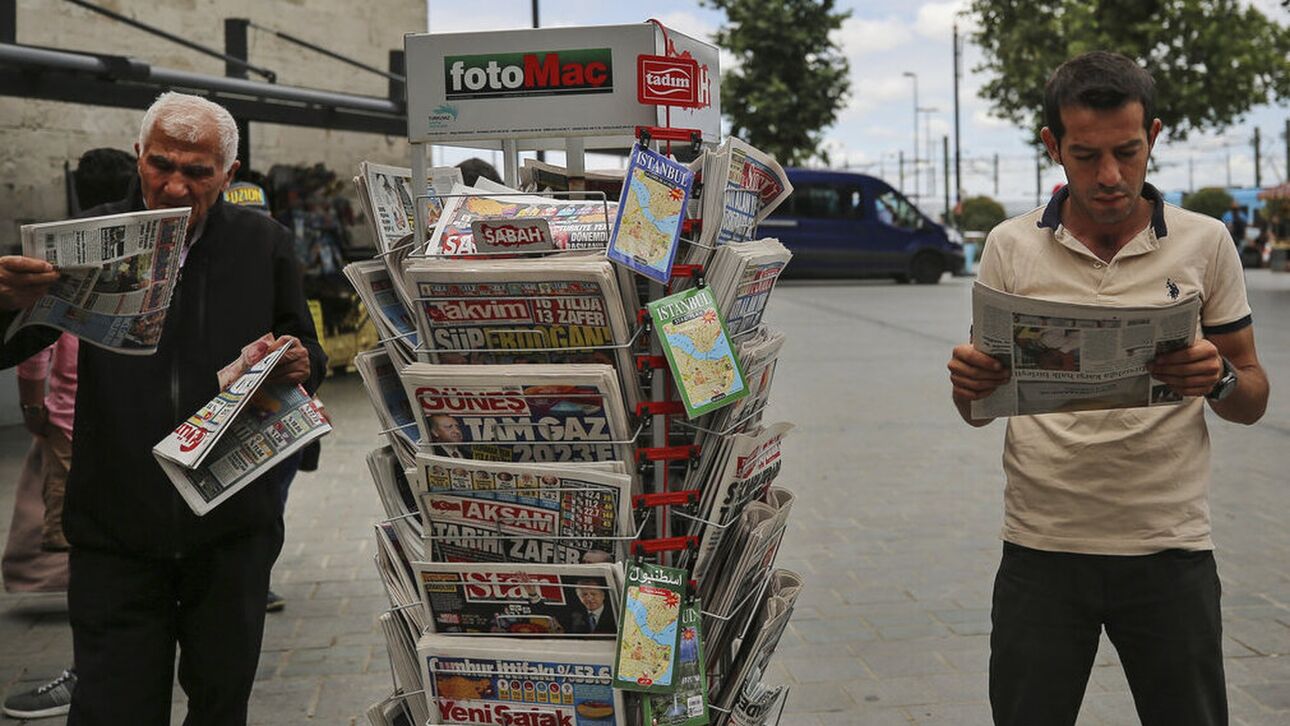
<point x="664" y="455"/>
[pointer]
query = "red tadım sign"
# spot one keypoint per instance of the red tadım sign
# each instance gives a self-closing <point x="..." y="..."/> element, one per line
<point x="667" y="80"/>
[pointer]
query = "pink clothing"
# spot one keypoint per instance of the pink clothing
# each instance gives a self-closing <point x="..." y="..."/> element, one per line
<point x="57" y="366"/>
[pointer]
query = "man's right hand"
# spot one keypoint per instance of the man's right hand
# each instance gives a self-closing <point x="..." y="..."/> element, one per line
<point x="23" y="280"/>
<point x="974" y="375"/>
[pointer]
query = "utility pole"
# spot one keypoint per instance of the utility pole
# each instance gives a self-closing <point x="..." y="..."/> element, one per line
<point x="958" y="150"/>
<point x="1191" y="174"/>
<point x="945" y="153"/>
<point x="1039" y="169"/>
<point x="1258" y="173"/>
<point x="914" y="77"/>
<point x="902" y="170"/>
<point x="1227" y="159"/>
<point x="996" y="175"/>
<point x="1287" y="138"/>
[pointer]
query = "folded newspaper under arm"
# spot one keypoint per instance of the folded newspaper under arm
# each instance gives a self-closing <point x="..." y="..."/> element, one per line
<point x="117" y="273"/>
<point x="239" y="435"/>
<point x="1069" y="357"/>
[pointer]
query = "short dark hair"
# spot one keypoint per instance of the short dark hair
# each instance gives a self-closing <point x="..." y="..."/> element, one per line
<point x="472" y="169"/>
<point x="1099" y="80"/>
<point x="103" y="175"/>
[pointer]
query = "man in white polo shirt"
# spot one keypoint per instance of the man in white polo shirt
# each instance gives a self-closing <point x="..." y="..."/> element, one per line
<point x="1106" y="516"/>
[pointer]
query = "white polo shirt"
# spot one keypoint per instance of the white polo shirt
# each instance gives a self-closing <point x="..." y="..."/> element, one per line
<point x="1124" y="481"/>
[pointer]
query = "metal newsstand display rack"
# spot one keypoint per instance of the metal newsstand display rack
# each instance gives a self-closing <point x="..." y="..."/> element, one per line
<point x="663" y="444"/>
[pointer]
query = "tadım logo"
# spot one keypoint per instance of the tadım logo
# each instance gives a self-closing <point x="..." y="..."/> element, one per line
<point x="664" y="80"/>
<point x="529" y="73"/>
<point x="442" y="115"/>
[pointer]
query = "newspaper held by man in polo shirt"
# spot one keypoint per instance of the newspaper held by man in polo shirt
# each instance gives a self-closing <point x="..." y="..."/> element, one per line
<point x="239" y="435"/>
<point x="116" y="275"/>
<point x="1069" y="357"/>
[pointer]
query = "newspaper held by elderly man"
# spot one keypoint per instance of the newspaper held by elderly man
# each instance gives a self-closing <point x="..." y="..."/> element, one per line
<point x="117" y="273"/>
<point x="1074" y="357"/>
<point x="239" y="435"/>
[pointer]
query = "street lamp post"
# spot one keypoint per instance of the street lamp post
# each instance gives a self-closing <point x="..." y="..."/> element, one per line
<point x="927" y="136"/>
<point x="914" y="76"/>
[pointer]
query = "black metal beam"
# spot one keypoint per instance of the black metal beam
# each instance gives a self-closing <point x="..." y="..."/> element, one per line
<point x="236" y="46"/>
<point x="8" y="21"/>
<point x="53" y="85"/>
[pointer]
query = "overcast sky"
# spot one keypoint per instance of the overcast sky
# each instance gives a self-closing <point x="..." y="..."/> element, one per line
<point x="883" y="39"/>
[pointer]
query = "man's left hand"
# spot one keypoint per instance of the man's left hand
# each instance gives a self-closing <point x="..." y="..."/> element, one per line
<point x="293" y="366"/>
<point x="1191" y="371"/>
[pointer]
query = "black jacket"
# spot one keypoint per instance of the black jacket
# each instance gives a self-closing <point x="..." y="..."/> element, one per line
<point x="240" y="280"/>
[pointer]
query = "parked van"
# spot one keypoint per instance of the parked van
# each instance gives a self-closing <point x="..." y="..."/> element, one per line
<point x="843" y="224"/>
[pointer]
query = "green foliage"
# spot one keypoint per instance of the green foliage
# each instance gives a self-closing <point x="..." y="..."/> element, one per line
<point x="1212" y="59"/>
<point x="791" y="79"/>
<point x="1212" y="201"/>
<point x="980" y="214"/>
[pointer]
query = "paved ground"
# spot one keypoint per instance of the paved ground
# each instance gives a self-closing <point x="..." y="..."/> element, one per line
<point x="895" y="530"/>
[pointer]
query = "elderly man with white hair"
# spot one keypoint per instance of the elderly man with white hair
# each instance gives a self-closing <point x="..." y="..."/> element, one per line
<point x="147" y="575"/>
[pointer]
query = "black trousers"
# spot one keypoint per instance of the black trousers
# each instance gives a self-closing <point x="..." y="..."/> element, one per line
<point x="1161" y="612"/>
<point x="129" y="613"/>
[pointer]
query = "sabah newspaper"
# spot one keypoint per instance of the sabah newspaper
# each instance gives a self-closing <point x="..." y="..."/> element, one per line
<point x="116" y="276"/>
<point x="1070" y="357"/>
<point x="239" y="435"/>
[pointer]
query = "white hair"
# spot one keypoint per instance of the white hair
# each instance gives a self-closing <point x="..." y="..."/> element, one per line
<point x="186" y="117"/>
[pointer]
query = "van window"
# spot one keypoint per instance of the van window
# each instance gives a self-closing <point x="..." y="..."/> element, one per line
<point x="895" y="210"/>
<point x="826" y="201"/>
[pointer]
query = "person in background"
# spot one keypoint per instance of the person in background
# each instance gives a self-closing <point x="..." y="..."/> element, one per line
<point x="474" y="168"/>
<point x="35" y="556"/>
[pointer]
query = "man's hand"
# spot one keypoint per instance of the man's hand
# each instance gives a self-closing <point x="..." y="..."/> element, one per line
<point x="974" y="375"/>
<point x="293" y="366"/>
<point x="23" y="280"/>
<point x="1191" y="371"/>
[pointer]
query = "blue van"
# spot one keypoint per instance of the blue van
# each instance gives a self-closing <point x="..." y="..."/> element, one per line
<point x="844" y="224"/>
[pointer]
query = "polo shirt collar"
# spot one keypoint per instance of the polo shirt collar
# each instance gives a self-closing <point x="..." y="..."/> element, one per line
<point x="1052" y="217"/>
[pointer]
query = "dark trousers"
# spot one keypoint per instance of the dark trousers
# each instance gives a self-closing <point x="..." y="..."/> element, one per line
<point x="128" y="614"/>
<point x="1161" y="612"/>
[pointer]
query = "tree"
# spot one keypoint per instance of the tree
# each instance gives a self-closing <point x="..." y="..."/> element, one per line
<point x="980" y="214"/>
<point x="791" y="78"/>
<point x="1212" y="59"/>
<point x="1211" y="201"/>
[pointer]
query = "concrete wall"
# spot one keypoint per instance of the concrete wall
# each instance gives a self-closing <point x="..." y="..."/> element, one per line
<point x="37" y="137"/>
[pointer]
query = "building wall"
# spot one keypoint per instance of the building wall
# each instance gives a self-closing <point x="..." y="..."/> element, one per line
<point x="37" y="137"/>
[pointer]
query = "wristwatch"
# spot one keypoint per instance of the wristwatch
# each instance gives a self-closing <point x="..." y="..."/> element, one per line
<point x="1226" y="384"/>
<point x="33" y="409"/>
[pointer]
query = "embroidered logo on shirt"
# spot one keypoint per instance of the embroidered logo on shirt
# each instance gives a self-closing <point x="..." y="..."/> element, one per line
<point x="1172" y="288"/>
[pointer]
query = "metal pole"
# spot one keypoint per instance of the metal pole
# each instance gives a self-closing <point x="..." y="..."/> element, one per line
<point x="420" y="184"/>
<point x="1227" y="159"/>
<point x="1039" y="160"/>
<point x="901" y="157"/>
<point x="8" y="21"/>
<point x="996" y="175"/>
<point x="236" y="47"/>
<point x="945" y="152"/>
<point x="914" y="76"/>
<point x="1191" y="174"/>
<point x="1258" y="159"/>
<point x="541" y="155"/>
<point x="958" y="150"/>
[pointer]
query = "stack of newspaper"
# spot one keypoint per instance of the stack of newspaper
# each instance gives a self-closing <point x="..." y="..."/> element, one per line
<point x="573" y="224"/>
<point x="386" y="196"/>
<point x="741" y="187"/>
<point x="742" y="277"/>
<point x="385" y="391"/>
<point x="565" y="309"/>
<point x="740" y="694"/>
<point x="539" y="176"/>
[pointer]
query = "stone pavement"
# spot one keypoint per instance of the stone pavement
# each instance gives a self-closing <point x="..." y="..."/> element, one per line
<point x="895" y="529"/>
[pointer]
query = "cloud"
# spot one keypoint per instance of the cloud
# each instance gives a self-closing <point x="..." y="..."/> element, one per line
<point x="936" y="19"/>
<point x="870" y="94"/>
<point x="862" y="36"/>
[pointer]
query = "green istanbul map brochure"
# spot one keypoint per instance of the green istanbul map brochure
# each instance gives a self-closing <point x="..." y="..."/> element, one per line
<point x="698" y="349"/>
<point x="649" y="631"/>
<point x="688" y="704"/>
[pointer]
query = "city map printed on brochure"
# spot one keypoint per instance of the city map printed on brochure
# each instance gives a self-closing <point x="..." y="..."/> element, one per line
<point x="649" y="638"/>
<point x="698" y="350"/>
<point x="648" y="227"/>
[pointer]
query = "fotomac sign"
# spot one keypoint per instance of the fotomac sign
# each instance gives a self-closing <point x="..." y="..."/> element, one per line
<point x="538" y="73"/>
<point x="543" y="86"/>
